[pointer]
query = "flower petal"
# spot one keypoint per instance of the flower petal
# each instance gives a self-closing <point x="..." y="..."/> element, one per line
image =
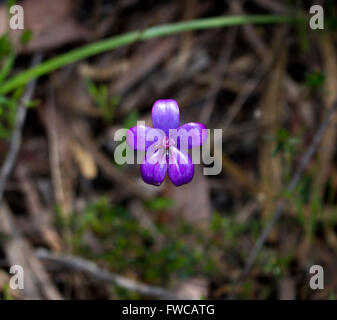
<point x="180" y="168"/>
<point x="189" y="135"/>
<point x="154" y="167"/>
<point x="165" y="115"/>
<point x="141" y="137"/>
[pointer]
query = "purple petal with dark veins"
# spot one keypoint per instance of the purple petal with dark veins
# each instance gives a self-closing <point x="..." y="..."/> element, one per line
<point x="154" y="167"/>
<point x="180" y="168"/>
<point x="165" y="115"/>
<point x="189" y="135"/>
<point x="141" y="137"/>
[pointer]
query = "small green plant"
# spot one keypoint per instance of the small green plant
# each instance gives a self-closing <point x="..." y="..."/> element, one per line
<point x="276" y="265"/>
<point x="285" y="146"/>
<point x="315" y="79"/>
<point x="285" y="142"/>
<point x="110" y="235"/>
<point x="26" y="37"/>
<point x="6" y="293"/>
<point x="7" y="105"/>
<point x="131" y="119"/>
<point x="159" y="203"/>
<point x="100" y="96"/>
<point x="126" y="244"/>
<point x="7" y="117"/>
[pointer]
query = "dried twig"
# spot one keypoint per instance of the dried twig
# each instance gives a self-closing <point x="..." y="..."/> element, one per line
<point x="327" y="147"/>
<point x="42" y="218"/>
<point x="59" y="156"/>
<point x="91" y="269"/>
<point x="274" y="6"/>
<point x="270" y="106"/>
<point x="15" y="141"/>
<point x="220" y="69"/>
<point x="291" y="187"/>
<point x="242" y="97"/>
<point x="38" y="284"/>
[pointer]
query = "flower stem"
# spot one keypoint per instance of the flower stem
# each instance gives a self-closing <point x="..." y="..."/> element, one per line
<point x="131" y="37"/>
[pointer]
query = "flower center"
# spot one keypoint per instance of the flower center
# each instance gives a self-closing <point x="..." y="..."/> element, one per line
<point x="167" y="142"/>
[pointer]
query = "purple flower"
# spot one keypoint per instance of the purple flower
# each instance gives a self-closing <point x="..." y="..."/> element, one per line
<point x="166" y="144"/>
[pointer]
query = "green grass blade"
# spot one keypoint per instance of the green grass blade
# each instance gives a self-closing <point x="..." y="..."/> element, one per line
<point x="124" y="39"/>
<point x="7" y="67"/>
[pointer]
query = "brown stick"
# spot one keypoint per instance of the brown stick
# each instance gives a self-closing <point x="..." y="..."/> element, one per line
<point x="37" y="283"/>
<point x="91" y="269"/>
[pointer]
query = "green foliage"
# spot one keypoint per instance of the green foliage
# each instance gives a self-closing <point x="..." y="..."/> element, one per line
<point x="99" y="95"/>
<point x="6" y="293"/>
<point x="159" y="204"/>
<point x="26" y="36"/>
<point x="315" y="79"/>
<point x="275" y="265"/>
<point x="10" y="3"/>
<point x="247" y="288"/>
<point x="7" y="59"/>
<point x="126" y="244"/>
<point x="7" y="65"/>
<point x="229" y="229"/>
<point x="330" y="15"/>
<point x="7" y="117"/>
<point x="7" y="105"/>
<point x="285" y="143"/>
<point x="112" y="236"/>
<point x="5" y="45"/>
<point x="131" y="119"/>
<point x="286" y="146"/>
